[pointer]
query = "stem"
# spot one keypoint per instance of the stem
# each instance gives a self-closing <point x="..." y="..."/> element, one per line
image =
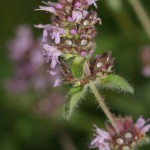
<point x="104" y="106"/>
<point x="142" y="15"/>
<point x="86" y="69"/>
<point x="100" y="99"/>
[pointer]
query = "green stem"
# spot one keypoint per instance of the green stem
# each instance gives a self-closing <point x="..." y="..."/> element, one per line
<point x="141" y="14"/>
<point x="100" y="99"/>
<point x="104" y="106"/>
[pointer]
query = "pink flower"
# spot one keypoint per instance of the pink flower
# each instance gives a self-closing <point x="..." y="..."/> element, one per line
<point x="101" y="140"/>
<point x="142" y="125"/>
<point x="20" y="45"/>
<point x="90" y="2"/>
<point x="130" y="134"/>
<point x="57" y="82"/>
<point x="47" y="8"/>
<point x="78" y="15"/>
<point x="57" y="77"/>
<point x="51" y="53"/>
<point x="54" y="32"/>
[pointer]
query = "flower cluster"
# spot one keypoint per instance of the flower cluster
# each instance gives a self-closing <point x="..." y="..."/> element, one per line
<point x="71" y="34"/>
<point x="130" y="134"/>
<point x="24" y="52"/>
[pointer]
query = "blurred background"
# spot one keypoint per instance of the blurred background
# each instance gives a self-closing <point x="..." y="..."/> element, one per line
<point x="31" y="109"/>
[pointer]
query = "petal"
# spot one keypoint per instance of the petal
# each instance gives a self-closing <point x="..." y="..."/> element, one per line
<point x="39" y="26"/>
<point x="53" y="73"/>
<point x="45" y="34"/>
<point x="140" y="123"/>
<point x="57" y="82"/>
<point x="145" y="128"/>
<point x="53" y="62"/>
<point x="46" y="47"/>
<point x="90" y="2"/>
<point x="47" y="8"/>
<point x="57" y="37"/>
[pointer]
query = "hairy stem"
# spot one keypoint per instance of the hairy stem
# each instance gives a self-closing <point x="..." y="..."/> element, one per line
<point x="104" y="106"/>
<point x="86" y="69"/>
<point x="100" y="99"/>
<point x="141" y="14"/>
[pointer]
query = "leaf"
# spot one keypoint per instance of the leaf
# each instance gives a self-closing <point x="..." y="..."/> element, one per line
<point x="115" y="82"/>
<point x="77" y="67"/>
<point x="73" y="98"/>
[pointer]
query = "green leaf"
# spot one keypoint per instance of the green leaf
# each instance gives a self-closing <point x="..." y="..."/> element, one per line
<point x="73" y="98"/>
<point x="77" y="67"/>
<point x="115" y="82"/>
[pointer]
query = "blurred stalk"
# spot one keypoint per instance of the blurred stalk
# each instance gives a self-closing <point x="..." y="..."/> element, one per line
<point x="141" y="14"/>
<point x="123" y="19"/>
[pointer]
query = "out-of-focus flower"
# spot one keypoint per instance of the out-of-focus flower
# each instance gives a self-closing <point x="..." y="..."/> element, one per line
<point x="47" y="106"/>
<point x="130" y="135"/>
<point x="20" y="45"/>
<point x="26" y="54"/>
<point x="145" y="57"/>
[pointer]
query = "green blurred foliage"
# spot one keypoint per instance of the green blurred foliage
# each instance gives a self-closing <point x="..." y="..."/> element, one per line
<point x="121" y="32"/>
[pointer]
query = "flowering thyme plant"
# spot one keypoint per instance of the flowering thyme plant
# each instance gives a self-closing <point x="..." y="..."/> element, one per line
<point x="69" y="42"/>
<point x="130" y="135"/>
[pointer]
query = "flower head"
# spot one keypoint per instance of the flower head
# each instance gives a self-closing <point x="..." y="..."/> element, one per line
<point x="70" y="34"/>
<point x="68" y="16"/>
<point x="130" y="134"/>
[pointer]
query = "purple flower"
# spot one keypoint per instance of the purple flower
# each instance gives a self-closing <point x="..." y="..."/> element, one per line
<point x="130" y="134"/>
<point x="20" y="45"/>
<point x="57" y="77"/>
<point x="26" y="53"/>
<point x="101" y="140"/>
<point x="79" y="14"/>
<point x="90" y="2"/>
<point x="54" y="32"/>
<point x="47" y="8"/>
<point x="51" y="53"/>
<point x="142" y="125"/>
<point x="57" y="82"/>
